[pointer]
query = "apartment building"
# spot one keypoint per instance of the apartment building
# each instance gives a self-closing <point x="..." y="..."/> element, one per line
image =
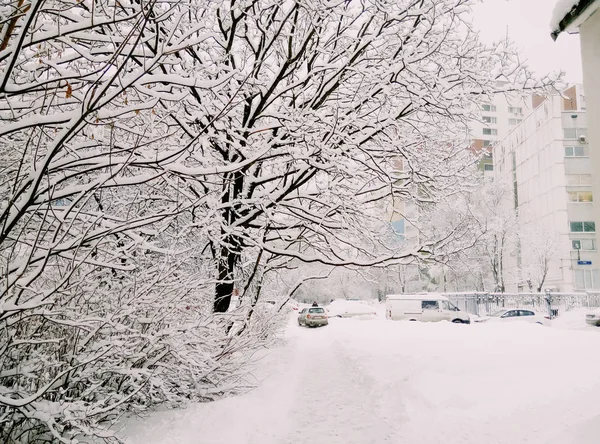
<point x="498" y="119"/>
<point x="546" y="158"/>
<point x="583" y="17"/>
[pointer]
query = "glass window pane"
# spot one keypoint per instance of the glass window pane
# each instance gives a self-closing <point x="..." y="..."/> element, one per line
<point x="576" y="226"/>
<point x="568" y="151"/>
<point x="587" y="244"/>
<point x="595" y="279"/>
<point x="573" y="179"/>
<point x="585" y="196"/>
<point x="576" y="244"/>
<point x="570" y="133"/>
<point x="579" y="151"/>
<point x="589" y="227"/>
<point x="572" y="196"/>
<point x="579" y="280"/>
<point x="585" y="179"/>
<point x="588" y="278"/>
<point x="430" y="305"/>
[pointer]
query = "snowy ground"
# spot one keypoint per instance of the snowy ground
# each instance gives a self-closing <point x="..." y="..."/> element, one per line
<point x="376" y="381"/>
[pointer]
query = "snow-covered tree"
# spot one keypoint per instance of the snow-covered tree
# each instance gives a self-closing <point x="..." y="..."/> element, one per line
<point x="318" y="102"/>
<point x="481" y="228"/>
<point x="499" y="228"/>
<point x="539" y="248"/>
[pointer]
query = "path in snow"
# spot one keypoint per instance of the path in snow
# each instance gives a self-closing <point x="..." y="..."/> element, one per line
<point x="378" y="381"/>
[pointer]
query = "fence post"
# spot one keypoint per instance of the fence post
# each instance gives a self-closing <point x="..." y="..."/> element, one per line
<point x="549" y="301"/>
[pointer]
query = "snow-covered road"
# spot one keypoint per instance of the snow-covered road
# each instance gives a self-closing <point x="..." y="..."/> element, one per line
<point x="377" y="381"/>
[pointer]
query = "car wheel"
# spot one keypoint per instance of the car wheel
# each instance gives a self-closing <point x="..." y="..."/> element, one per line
<point x="457" y="321"/>
<point x="539" y="323"/>
<point x="413" y="320"/>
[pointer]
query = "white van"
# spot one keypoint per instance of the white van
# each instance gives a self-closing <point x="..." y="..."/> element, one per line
<point x="428" y="307"/>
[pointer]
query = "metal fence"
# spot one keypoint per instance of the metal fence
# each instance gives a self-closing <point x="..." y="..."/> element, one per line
<point x="554" y="304"/>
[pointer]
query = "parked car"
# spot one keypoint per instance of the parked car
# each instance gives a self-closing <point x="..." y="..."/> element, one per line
<point x="517" y="315"/>
<point x="313" y="317"/>
<point x="347" y="308"/>
<point x="593" y="317"/>
<point x="427" y="307"/>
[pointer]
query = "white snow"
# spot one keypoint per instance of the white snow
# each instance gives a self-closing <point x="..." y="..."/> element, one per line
<point x="406" y="382"/>
<point x="345" y="308"/>
<point x="561" y="9"/>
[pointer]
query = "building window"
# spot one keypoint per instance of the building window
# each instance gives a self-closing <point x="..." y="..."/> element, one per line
<point x="583" y="244"/>
<point x="398" y="227"/>
<point x="576" y="151"/>
<point x="62" y="202"/>
<point x="488" y="119"/>
<point x="586" y="279"/>
<point x="491" y="108"/>
<point x="514" y="121"/>
<point x="580" y="196"/>
<point x="487" y="143"/>
<point x="579" y="179"/>
<point x="490" y="132"/>
<point x="574" y="133"/>
<point x="583" y="227"/>
<point x="488" y="167"/>
<point x="515" y="110"/>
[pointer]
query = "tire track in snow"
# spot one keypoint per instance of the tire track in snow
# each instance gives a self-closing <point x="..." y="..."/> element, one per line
<point x="338" y="402"/>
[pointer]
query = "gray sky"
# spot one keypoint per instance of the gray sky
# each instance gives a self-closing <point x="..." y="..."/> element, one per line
<point x="528" y="26"/>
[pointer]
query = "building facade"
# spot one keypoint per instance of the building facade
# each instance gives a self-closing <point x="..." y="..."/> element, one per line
<point x="546" y="159"/>
<point x="497" y="120"/>
<point x="583" y="17"/>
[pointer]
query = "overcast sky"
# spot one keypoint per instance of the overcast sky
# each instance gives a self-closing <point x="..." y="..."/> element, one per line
<point x="528" y="26"/>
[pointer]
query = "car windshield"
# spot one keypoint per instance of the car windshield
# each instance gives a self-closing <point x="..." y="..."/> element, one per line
<point x="499" y="313"/>
<point x="316" y="310"/>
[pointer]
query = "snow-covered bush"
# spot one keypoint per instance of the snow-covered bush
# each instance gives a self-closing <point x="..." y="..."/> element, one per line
<point x="107" y="288"/>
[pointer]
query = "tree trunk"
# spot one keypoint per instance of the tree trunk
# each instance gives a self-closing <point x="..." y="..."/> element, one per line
<point x="226" y="284"/>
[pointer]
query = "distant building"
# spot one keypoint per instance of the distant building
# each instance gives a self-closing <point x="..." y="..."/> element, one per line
<point x="546" y="158"/>
<point x="498" y="118"/>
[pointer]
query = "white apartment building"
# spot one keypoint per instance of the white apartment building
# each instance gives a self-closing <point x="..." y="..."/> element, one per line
<point x="583" y="17"/>
<point x="546" y="158"/>
<point x="498" y="118"/>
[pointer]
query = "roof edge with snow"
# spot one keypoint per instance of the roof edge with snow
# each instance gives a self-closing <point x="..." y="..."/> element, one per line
<point x="572" y="18"/>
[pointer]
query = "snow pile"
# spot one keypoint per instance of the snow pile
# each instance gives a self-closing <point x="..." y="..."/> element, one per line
<point x="344" y="308"/>
<point x="573" y="320"/>
<point x="562" y="8"/>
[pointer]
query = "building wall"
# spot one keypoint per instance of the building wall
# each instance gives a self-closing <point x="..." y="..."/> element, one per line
<point x="590" y="55"/>
<point x="505" y="114"/>
<point x="538" y="156"/>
